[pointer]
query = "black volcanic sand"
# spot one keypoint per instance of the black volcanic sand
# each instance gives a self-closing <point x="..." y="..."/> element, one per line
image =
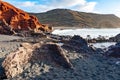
<point x="85" y="66"/>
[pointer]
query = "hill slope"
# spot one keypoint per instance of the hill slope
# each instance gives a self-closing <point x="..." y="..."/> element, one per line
<point x="66" y="17"/>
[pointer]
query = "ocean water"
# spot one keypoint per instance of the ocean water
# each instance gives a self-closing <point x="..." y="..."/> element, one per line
<point x="103" y="45"/>
<point x="94" y="33"/>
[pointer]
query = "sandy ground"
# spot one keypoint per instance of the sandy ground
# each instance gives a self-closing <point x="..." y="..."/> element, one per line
<point x="6" y="46"/>
<point x="86" y="66"/>
<point x="8" y="38"/>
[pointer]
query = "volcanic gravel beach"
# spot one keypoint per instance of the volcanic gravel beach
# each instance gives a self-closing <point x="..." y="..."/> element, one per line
<point x="85" y="66"/>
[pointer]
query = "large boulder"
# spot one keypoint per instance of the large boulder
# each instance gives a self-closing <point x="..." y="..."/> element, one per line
<point x="59" y="55"/>
<point x="13" y="20"/>
<point x="115" y="39"/>
<point x="79" y="40"/>
<point x="52" y="53"/>
<point x="15" y="62"/>
<point x="78" y="44"/>
<point x="114" y="51"/>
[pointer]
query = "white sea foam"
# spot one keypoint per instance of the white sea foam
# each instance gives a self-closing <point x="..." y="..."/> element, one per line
<point x="92" y="32"/>
<point x="103" y="45"/>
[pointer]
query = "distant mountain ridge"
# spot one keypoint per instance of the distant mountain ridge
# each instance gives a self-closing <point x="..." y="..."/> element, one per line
<point x="70" y="18"/>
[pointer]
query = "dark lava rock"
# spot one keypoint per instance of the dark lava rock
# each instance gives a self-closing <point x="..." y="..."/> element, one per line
<point x="115" y="39"/>
<point x="78" y="44"/>
<point x="114" y="51"/>
<point x="78" y="40"/>
<point x="59" y="55"/>
<point x="58" y="37"/>
<point x="51" y="54"/>
<point x="2" y="72"/>
<point x="98" y="40"/>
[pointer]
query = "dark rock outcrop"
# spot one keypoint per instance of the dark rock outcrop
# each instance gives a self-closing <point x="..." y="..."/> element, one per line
<point x="15" y="62"/>
<point x="59" y="55"/>
<point x="78" y="44"/>
<point x="79" y="40"/>
<point x="13" y="20"/>
<point x="114" y="51"/>
<point x="99" y="39"/>
<point x="115" y="39"/>
<point x="52" y="53"/>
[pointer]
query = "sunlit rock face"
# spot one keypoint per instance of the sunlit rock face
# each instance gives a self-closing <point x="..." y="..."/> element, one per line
<point x="15" y="62"/>
<point x="14" y="19"/>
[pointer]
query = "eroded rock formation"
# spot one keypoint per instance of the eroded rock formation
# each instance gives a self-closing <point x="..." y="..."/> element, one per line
<point x="114" y="51"/>
<point x="15" y="62"/>
<point x="115" y="39"/>
<point x="78" y="44"/>
<point x="13" y="20"/>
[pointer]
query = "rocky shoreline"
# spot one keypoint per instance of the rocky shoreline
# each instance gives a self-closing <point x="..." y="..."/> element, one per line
<point x="85" y="62"/>
<point x="29" y="51"/>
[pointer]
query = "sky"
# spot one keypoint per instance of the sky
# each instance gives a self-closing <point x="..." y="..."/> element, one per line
<point x="92" y="6"/>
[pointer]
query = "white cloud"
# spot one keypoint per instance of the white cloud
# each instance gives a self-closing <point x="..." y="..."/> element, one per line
<point x="26" y="4"/>
<point x="88" y="7"/>
<point x="67" y="3"/>
<point x="31" y="6"/>
<point x="117" y="12"/>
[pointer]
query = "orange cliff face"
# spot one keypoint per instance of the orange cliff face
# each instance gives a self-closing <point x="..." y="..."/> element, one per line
<point x="14" y="19"/>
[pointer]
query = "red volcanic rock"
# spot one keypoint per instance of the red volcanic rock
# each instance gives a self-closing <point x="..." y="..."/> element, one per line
<point x="13" y="19"/>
